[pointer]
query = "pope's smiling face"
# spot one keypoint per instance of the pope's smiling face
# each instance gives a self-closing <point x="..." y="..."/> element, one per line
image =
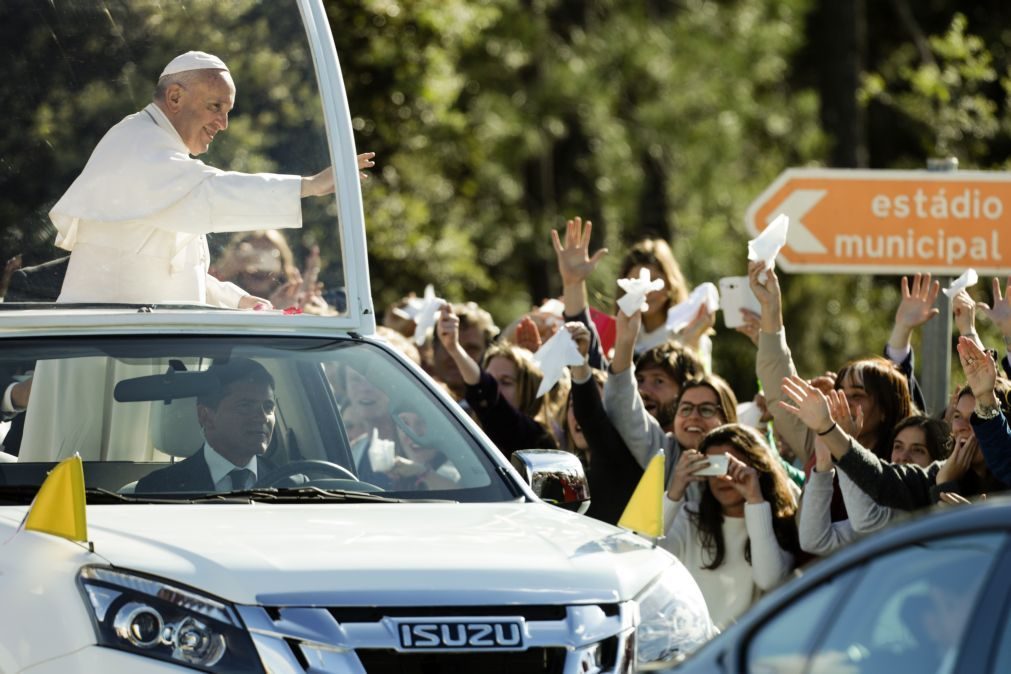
<point x="199" y="109"/>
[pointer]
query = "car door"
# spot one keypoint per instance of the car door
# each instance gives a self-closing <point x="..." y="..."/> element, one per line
<point x="907" y="610"/>
<point x="987" y="646"/>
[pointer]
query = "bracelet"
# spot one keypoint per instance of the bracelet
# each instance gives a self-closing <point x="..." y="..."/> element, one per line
<point x="985" y="412"/>
<point x="828" y="430"/>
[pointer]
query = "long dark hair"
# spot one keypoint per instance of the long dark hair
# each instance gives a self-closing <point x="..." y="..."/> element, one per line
<point x="889" y="389"/>
<point x="936" y="432"/>
<point x="772" y="480"/>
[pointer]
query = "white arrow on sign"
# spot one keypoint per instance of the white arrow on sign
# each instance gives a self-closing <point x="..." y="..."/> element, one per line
<point x="795" y="207"/>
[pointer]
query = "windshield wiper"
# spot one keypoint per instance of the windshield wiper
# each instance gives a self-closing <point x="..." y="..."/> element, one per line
<point x="22" y="494"/>
<point x="307" y="494"/>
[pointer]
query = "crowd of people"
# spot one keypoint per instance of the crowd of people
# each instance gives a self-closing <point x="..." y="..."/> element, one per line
<point x="834" y="457"/>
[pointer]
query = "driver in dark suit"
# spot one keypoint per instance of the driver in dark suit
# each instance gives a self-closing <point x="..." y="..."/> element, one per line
<point x="237" y="418"/>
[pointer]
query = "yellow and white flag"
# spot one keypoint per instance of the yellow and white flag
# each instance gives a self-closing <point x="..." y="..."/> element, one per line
<point x="644" y="512"/>
<point x="58" y="508"/>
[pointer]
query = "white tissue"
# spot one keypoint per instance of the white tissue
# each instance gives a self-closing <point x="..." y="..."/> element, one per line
<point x="636" y="290"/>
<point x="765" y="247"/>
<point x="750" y="414"/>
<point x="966" y="280"/>
<point x="684" y="313"/>
<point x="554" y="356"/>
<point x="382" y="453"/>
<point x="424" y="312"/>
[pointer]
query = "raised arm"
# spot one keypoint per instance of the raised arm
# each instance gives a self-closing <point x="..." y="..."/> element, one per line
<point x="963" y="309"/>
<point x="575" y="264"/>
<point x="1000" y="314"/>
<point x="774" y="361"/>
<point x="906" y="487"/>
<point x="448" y="332"/>
<point x="641" y="432"/>
<point x="863" y="513"/>
<point x="614" y="472"/>
<point x="915" y="308"/>
<point x="988" y="421"/>
<point x="322" y="183"/>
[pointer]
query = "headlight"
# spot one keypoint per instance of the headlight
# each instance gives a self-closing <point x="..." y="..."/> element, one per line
<point x="673" y="619"/>
<point x="155" y="619"/>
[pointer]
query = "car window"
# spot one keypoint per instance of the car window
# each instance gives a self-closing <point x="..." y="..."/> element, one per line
<point x="909" y="609"/>
<point x="1002" y="659"/>
<point x="902" y="612"/>
<point x="151" y="415"/>
<point x="783" y="644"/>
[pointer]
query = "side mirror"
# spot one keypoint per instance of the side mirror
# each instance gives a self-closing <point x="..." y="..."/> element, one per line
<point x="556" y="477"/>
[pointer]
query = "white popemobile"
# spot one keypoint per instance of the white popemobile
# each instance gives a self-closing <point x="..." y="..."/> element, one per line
<point x="345" y="554"/>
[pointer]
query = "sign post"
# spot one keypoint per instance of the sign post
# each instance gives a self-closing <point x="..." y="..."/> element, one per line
<point x="893" y="222"/>
<point x="936" y="368"/>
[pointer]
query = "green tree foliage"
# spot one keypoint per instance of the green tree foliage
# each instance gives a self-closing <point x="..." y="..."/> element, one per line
<point x="954" y="94"/>
<point x="495" y="121"/>
<point x="948" y="94"/>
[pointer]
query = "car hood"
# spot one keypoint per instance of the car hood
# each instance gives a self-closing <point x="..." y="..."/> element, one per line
<point x="401" y="554"/>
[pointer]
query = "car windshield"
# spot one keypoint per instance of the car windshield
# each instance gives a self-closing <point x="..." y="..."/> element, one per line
<point x="173" y="417"/>
<point x="73" y="69"/>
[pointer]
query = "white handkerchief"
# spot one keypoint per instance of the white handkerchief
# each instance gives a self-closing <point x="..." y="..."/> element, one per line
<point x="749" y="414"/>
<point x="382" y="453"/>
<point x="554" y="356"/>
<point x="636" y="289"/>
<point x="765" y="247"/>
<point x="425" y="312"/>
<point x="682" y="314"/>
<point x="552" y="312"/>
<point x="966" y="280"/>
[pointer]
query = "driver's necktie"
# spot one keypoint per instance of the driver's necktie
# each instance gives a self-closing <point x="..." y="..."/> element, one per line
<point x="242" y="478"/>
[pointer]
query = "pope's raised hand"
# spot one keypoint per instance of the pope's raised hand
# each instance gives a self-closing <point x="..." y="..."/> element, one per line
<point x="365" y="162"/>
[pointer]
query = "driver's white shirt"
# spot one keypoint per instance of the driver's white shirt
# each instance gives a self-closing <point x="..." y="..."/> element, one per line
<point x="220" y="467"/>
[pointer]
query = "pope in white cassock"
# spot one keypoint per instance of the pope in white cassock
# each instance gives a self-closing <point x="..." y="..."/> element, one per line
<point x="135" y="222"/>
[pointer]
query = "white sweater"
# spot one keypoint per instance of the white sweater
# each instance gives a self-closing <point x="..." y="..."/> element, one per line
<point x="733" y="586"/>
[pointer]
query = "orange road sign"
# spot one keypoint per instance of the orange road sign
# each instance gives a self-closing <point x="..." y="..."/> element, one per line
<point x="890" y="222"/>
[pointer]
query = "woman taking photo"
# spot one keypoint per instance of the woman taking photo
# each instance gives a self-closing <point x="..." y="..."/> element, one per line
<point x="740" y="539"/>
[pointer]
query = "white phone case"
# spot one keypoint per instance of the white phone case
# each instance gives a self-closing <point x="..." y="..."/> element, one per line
<point x="736" y="294"/>
<point x="717" y="466"/>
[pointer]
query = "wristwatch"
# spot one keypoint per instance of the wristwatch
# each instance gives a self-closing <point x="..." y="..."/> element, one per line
<point x="984" y="411"/>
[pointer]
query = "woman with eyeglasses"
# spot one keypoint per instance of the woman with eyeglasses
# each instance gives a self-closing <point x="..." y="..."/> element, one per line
<point x="704" y="404"/>
<point x="740" y="539"/>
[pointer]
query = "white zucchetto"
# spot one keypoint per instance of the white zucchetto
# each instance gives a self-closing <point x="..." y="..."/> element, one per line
<point x="193" y="60"/>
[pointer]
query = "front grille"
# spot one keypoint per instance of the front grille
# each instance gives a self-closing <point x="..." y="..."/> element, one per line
<point x="531" y="661"/>
<point x="373" y="614"/>
<point x="335" y="640"/>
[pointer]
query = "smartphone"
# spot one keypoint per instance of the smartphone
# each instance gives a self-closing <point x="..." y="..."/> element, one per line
<point x="717" y="466"/>
<point x="736" y="294"/>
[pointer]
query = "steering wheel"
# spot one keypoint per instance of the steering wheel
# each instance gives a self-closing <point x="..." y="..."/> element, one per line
<point x="306" y="467"/>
